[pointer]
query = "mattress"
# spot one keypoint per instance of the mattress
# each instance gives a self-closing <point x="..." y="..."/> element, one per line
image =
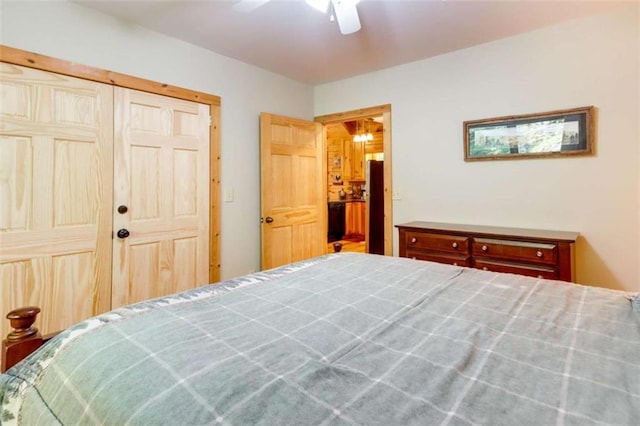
<point x="345" y="338"/>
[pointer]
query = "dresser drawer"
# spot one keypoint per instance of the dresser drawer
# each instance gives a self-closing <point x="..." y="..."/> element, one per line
<point x="539" y="271"/>
<point x="438" y="242"/>
<point x="516" y="250"/>
<point x="532" y="252"/>
<point x="440" y="257"/>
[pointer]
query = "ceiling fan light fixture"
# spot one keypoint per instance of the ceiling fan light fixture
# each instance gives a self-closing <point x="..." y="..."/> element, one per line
<point x="320" y="5"/>
<point x="346" y="15"/>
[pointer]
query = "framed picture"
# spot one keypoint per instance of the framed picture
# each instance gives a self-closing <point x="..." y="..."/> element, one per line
<point x="548" y="134"/>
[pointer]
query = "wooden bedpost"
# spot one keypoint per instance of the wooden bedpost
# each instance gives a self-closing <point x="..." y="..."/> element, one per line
<point x="24" y="338"/>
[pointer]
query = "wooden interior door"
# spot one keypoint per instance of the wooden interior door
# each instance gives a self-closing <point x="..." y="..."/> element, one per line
<point x="161" y="196"/>
<point x="56" y="184"/>
<point x="293" y="190"/>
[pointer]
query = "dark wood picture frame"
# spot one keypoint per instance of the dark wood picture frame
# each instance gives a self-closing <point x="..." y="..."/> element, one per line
<point x="548" y="134"/>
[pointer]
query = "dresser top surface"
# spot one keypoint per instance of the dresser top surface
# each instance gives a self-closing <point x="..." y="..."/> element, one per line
<point x="491" y="230"/>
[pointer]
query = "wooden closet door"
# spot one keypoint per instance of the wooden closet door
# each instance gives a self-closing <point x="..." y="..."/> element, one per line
<point x="56" y="184"/>
<point x="161" y="173"/>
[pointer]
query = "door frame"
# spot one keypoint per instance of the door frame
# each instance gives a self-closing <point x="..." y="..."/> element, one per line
<point x="47" y="63"/>
<point x="358" y="114"/>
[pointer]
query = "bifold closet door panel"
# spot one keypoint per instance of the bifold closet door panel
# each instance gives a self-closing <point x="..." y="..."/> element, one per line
<point x="161" y="196"/>
<point x="56" y="187"/>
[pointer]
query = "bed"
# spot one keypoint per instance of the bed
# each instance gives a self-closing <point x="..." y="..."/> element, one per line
<point x="345" y="338"/>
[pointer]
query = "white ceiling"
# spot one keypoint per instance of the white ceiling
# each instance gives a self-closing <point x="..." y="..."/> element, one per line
<point x="295" y="40"/>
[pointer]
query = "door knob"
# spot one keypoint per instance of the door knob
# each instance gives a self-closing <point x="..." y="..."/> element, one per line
<point x="122" y="233"/>
<point x="268" y="219"/>
<point x="122" y="209"/>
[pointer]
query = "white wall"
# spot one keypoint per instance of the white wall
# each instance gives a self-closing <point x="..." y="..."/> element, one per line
<point x="591" y="61"/>
<point x="75" y="33"/>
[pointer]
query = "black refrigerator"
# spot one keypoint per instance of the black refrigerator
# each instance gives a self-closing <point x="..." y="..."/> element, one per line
<point x="375" y="186"/>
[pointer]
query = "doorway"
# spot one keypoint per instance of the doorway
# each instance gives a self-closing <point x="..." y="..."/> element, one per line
<point x="358" y="153"/>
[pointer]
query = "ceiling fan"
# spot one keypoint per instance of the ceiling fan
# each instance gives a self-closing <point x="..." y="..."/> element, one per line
<point x="343" y="11"/>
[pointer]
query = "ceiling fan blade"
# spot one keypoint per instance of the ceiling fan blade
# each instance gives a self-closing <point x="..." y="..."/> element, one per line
<point x="248" y="5"/>
<point x="346" y="15"/>
<point x="319" y="5"/>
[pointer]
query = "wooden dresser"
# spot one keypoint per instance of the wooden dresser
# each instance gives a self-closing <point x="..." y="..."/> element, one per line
<point x="532" y="252"/>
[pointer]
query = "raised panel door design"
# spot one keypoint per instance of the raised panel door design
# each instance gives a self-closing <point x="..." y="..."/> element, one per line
<point x="161" y="158"/>
<point x="56" y="180"/>
<point x="185" y="190"/>
<point x="145" y="194"/>
<point x="305" y="180"/>
<point x="305" y="241"/>
<point x="16" y="166"/>
<point x="185" y="262"/>
<point x="74" y="108"/>
<point x="75" y="184"/>
<point x="280" y="181"/>
<point x="280" y="254"/>
<point x="293" y="192"/>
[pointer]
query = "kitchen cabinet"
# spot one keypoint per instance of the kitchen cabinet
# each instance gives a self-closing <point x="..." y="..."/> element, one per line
<point x="357" y="160"/>
<point x="347" y="154"/>
<point x="353" y="164"/>
<point x="355" y="219"/>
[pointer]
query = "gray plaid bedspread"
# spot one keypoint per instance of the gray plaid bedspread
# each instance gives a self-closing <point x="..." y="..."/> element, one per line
<point x="345" y="339"/>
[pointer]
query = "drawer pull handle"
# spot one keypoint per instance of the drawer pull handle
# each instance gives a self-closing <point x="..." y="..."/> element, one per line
<point x="539" y="253"/>
<point x="485" y="248"/>
<point x="414" y="240"/>
<point x="485" y="269"/>
<point x="454" y="245"/>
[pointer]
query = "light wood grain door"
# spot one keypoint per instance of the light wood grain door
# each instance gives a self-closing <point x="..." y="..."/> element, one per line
<point x="56" y="184"/>
<point x="294" y="195"/>
<point x="161" y="169"/>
